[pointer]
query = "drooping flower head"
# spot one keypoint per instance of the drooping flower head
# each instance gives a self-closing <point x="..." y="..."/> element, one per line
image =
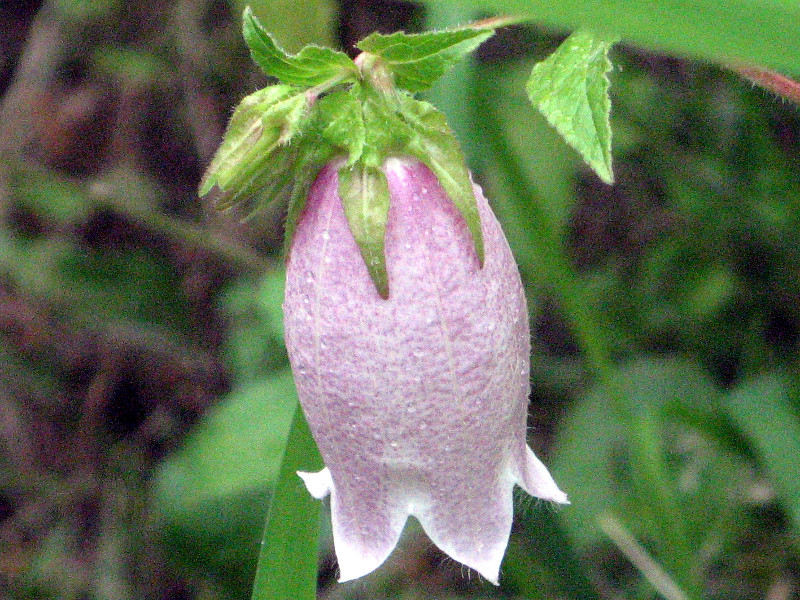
<point x="405" y="318"/>
<point x="417" y="402"/>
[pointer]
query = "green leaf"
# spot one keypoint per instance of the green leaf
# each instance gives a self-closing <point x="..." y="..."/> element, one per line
<point x="619" y="453"/>
<point x="312" y="66"/>
<point x="591" y="454"/>
<point x="211" y="496"/>
<point x="386" y="132"/>
<point x="287" y="563"/>
<point x="544" y="542"/>
<point x="760" y="32"/>
<point x="570" y="88"/>
<point x="295" y="24"/>
<point x="763" y="410"/>
<point x="435" y="145"/>
<point x="365" y="197"/>
<point x="418" y="60"/>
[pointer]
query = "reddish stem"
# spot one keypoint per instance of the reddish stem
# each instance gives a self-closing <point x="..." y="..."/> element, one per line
<point x="772" y="81"/>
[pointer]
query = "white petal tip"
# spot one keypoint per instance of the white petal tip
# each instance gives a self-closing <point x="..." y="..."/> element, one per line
<point x="350" y="575"/>
<point x="537" y="481"/>
<point x="490" y="571"/>
<point x="319" y="484"/>
<point x="493" y="580"/>
<point x="355" y="563"/>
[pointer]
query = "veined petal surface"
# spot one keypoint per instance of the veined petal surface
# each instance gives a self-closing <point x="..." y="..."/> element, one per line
<point x="418" y="402"/>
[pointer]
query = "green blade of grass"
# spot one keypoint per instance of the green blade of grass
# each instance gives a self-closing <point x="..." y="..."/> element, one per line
<point x="287" y="563"/>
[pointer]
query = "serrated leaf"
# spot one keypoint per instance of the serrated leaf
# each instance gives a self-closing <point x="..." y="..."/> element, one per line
<point x="570" y="88"/>
<point x="365" y="198"/>
<point x="435" y="145"/>
<point x="418" y="60"/>
<point x="310" y="67"/>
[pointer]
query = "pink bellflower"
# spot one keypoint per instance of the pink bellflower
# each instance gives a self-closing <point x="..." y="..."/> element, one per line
<point x="417" y="402"/>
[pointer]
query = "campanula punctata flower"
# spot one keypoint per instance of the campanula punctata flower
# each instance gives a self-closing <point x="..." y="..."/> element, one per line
<point x="417" y="401"/>
<point x="405" y="318"/>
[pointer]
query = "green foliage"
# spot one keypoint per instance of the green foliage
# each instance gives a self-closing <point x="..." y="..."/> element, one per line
<point x="97" y="285"/>
<point x="765" y="413"/>
<point x="761" y="32"/>
<point x="280" y="136"/>
<point x="254" y="144"/>
<point x="417" y="61"/>
<point x="312" y="66"/>
<point x="365" y="198"/>
<point x="666" y="307"/>
<point x="593" y="452"/>
<point x="212" y="496"/>
<point x="570" y="88"/>
<point x="287" y="563"/>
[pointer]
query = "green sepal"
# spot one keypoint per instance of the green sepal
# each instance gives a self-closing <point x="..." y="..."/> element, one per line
<point x="341" y="122"/>
<point x="245" y="130"/>
<point x="417" y="60"/>
<point x="570" y="88"/>
<point x="312" y="156"/>
<point x="435" y="145"/>
<point x="364" y="191"/>
<point x="256" y="147"/>
<point x="387" y="134"/>
<point x="312" y="66"/>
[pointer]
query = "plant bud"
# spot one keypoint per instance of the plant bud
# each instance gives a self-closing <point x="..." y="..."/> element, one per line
<point x="417" y="402"/>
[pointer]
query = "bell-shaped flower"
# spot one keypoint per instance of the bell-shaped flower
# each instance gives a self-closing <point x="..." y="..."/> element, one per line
<point x="418" y="401"/>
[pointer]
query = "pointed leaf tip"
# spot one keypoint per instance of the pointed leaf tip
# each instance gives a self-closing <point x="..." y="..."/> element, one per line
<point x="570" y="88"/>
<point x="434" y="144"/>
<point x="365" y="198"/>
<point x="312" y="66"/>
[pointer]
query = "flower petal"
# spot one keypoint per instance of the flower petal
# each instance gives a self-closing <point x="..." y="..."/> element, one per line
<point x="417" y="402"/>
<point x="535" y="479"/>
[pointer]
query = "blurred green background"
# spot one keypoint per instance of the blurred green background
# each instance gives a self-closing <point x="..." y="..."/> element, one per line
<point x="145" y="397"/>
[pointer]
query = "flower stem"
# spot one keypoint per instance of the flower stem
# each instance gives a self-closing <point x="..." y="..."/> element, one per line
<point x="770" y="80"/>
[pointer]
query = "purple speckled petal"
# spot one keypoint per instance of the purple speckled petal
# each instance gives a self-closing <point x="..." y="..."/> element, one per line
<point x="418" y="402"/>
